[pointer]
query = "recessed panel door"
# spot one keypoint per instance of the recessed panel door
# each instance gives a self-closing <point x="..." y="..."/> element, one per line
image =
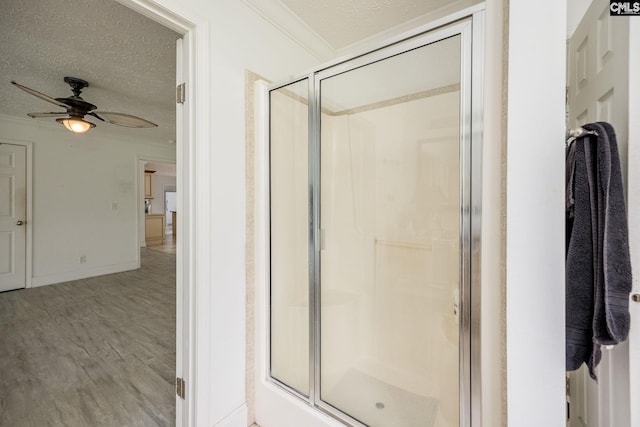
<point x="599" y="90"/>
<point x="13" y="192"/>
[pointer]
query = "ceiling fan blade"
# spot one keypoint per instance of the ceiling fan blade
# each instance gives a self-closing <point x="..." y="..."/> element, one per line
<point x="122" y="119"/>
<point x="40" y="95"/>
<point x="36" y="115"/>
<point x="91" y="113"/>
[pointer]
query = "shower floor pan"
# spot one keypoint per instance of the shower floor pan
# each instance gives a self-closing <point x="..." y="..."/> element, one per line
<point x="379" y="404"/>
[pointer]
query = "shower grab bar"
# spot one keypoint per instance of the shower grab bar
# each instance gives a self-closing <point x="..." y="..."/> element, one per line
<point x="407" y="245"/>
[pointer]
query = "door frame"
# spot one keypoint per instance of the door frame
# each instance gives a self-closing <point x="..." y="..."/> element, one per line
<point x="192" y="152"/>
<point x="29" y="207"/>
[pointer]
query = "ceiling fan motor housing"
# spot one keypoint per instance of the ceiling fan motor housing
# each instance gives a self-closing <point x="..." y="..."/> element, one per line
<point x="79" y="106"/>
<point x="76" y="84"/>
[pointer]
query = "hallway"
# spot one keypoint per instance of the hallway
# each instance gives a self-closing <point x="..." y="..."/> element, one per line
<point x="169" y="243"/>
<point x="92" y="352"/>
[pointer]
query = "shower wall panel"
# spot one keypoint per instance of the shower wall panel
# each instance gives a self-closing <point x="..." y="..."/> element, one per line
<point x="390" y="219"/>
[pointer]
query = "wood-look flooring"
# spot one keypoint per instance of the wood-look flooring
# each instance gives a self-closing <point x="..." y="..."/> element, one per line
<point x="169" y="243"/>
<point x="92" y="352"/>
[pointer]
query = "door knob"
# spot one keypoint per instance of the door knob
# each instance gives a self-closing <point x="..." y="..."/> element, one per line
<point x="19" y="223"/>
<point x="635" y="297"/>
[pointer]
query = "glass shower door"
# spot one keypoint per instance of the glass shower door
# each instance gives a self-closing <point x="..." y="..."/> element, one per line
<point x="375" y="230"/>
<point x="391" y="207"/>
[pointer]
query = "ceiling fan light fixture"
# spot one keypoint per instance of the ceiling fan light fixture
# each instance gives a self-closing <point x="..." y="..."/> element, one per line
<point x="76" y="124"/>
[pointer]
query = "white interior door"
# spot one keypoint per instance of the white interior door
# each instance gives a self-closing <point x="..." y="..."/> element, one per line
<point x="598" y="90"/>
<point x="13" y="209"/>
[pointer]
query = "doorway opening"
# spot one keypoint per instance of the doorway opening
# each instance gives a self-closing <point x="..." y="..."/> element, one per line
<point x="119" y="208"/>
<point x="158" y="209"/>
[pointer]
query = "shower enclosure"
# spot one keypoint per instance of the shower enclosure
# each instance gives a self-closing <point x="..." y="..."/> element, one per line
<point x="374" y="232"/>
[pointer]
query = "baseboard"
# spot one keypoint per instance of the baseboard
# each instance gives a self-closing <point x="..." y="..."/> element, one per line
<point x="82" y="274"/>
<point x="237" y="418"/>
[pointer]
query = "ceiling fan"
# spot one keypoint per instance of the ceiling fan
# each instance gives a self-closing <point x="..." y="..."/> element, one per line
<point x="77" y="108"/>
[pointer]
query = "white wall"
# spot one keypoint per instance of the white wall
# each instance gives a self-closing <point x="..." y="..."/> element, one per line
<point x="535" y="220"/>
<point x="84" y="199"/>
<point x="575" y="12"/>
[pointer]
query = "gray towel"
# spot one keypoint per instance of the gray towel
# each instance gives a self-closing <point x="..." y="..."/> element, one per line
<point x="598" y="266"/>
<point x="579" y="264"/>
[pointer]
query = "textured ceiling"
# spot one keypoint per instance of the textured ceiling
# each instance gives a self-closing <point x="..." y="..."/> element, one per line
<point x="128" y="60"/>
<point x="345" y="22"/>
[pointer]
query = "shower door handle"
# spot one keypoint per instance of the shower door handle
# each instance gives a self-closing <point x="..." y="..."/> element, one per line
<point x="456" y="305"/>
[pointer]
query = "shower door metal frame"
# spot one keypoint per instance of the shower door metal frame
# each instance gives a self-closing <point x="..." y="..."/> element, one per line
<point x="469" y="24"/>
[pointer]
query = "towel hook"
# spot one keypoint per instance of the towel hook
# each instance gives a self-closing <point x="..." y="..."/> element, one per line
<point x="574" y="134"/>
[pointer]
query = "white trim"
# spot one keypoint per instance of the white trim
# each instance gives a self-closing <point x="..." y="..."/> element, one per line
<point x="29" y="196"/>
<point x="179" y="20"/>
<point x="491" y="262"/>
<point x="199" y="226"/>
<point x="141" y="165"/>
<point x="290" y="24"/>
<point x="236" y="418"/>
<point x="193" y="275"/>
<point x="183" y="323"/>
<point x="52" y="279"/>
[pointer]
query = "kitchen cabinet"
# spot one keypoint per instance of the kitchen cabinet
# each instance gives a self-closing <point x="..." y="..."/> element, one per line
<point x="148" y="184"/>
<point x="154" y="229"/>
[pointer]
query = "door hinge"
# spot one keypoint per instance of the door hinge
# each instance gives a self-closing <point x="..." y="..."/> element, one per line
<point x="181" y="93"/>
<point x="180" y="387"/>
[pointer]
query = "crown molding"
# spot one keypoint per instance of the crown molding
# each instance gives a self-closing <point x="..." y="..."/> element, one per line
<point x="290" y="24"/>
